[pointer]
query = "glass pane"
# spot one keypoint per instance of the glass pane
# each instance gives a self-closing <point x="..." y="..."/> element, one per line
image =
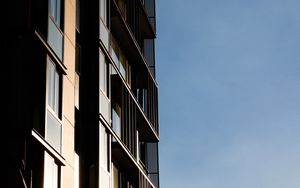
<point x="103" y="148"/>
<point x="55" y="39"/>
<point x="116" y="177"/>
<point x="55" y="10"/>
<point x="58" y="11"/>
<point x="103" y="73"/>
<point x="53" y="87"/>
<point x="122" y="64"/>
<point x="104" y="158"/>
<point x="53" y="132"/>
<point x="76" y="92"/>
<point x="122" y="70"/>
<point x="104" y="106"/>
<point x="116" y="122"/>
<point x="152" y="161"/>
<point x="103" y="10"/>
<point x="56" y="92"/>
<point x="150" y="7"/>
<point x="104" y="35"/>
<point x="149" y="51"/>
<point x="52" y="8"/>
<point x="50" y="83"/>
<point x="123" y="8"/>
<point x="50" y="172"/>
<point x="115" y="56"/>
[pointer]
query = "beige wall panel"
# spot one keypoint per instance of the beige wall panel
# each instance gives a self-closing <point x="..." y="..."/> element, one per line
<point x="69" y="60"/>
<point x="70" y="17"/>
<point x="67" y="177"/>
<point x="68" y="142"/>
<point x="68" y="100"/>
<point x="73" y="2"/>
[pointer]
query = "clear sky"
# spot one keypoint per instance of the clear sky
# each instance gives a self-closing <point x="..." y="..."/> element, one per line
<point x="229" y="87"/>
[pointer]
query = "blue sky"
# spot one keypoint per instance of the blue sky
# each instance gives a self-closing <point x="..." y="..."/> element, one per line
<point x="229" y="93"/>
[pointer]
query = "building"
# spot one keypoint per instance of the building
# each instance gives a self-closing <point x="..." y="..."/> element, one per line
<point x="80" y="94"/>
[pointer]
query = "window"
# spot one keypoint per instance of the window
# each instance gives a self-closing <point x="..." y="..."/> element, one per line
<point x="53" y="128"/>
<point x="104" y="105"/>
<point x="123" y="63"/>
<point x="104" y="157"/>
<point x="149" y="54"/>
<point x="103" y="13"/>
<point x="142" y="98"/>
<point x="77" y="69"/>
<point x="103" y="73"/>
<point x="120" y="60"/>
<point x="55" y="25"/>
<point x="104" y="31"/>
<point x="116" y="119"/>
<point x="55" y="11"/>
<point x="103" y="148"/>
<point x="51" y="172"/>
<point x="143" y="154"/>
<point x="122" y="4"/>
<point x="116" y="177"/>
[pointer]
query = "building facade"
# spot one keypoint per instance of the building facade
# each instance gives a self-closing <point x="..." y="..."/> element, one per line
<point x="80" y="94"/>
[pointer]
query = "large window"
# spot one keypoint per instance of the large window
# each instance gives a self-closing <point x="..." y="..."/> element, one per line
<point x="53" y="130"/>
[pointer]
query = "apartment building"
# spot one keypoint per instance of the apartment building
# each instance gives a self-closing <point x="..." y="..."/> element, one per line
<point x="80" y="94"/>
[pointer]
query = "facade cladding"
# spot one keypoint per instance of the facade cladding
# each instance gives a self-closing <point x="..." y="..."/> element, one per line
<point x="81" y="100"/>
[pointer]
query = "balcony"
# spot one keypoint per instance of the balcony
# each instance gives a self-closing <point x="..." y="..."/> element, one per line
<point x="122" y="95"/>
<point x="131" y="45"/>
